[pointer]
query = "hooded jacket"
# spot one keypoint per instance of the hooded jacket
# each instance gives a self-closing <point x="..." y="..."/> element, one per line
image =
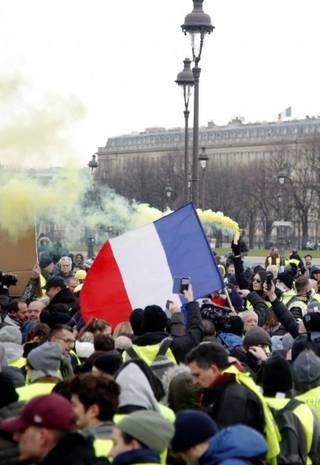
<point x="235" y="445"/>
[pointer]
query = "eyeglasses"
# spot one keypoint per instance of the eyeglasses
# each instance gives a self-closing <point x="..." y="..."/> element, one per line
<point x="255" y="280"/>
<point x="66" y="340"/>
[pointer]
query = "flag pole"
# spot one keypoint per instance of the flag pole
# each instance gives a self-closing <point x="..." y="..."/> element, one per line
<point x="229" y="301"/>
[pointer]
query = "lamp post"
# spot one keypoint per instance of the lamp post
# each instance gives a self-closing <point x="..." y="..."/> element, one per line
<point x="186" y="82"/>
<point x="93" y="164"/>
<point x="203" y="159"/>
<point x="168" y="192"/>
<point x="197" y="24"/>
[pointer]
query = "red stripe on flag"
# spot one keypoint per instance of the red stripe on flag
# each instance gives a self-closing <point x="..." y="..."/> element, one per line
<point x="104" y="294"/>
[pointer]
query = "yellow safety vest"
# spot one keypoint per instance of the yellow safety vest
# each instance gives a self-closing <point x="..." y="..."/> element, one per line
<point x="30" y="391"/>
<point x="272" y="434"/>
<point x="278" y="261"/>
<point x="287" y="296"/>
<point x="303" y="412"/>
<point x="316" y="297"/>
<point x="312" y="399"/>
<point x="249" y="305"/>
<point x="103" y="447"/>
<point x="18" y="363"/>
<point x="74" y="354"/>
<point x="300" y="304"/>
<point x="149" y="353"/>
<point x="292" y="261"/>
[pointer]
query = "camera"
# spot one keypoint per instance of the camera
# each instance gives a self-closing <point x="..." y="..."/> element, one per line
<point x="219" y="316"/>
<point x="269" y="279"/>
<point x="7" y="279"/>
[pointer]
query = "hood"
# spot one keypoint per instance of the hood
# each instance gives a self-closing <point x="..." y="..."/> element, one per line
<point x="237" y="441"/>
<point x="65" y="296"/>
<point x="13" y="351"/>
<point x="135" y="388"/>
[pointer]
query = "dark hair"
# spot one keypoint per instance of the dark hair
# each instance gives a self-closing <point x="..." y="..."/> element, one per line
<point x="301" y="282"/>
<point x="57" y="329"/>
<point x="308" y="255"/>
<point x="207" y="354"/>
<point x="103" y="342"/>
<point x="127" y="438"/>
<point x="97" y="389"/>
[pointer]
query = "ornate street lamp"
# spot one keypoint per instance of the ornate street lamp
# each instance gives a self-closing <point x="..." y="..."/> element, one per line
<point x="186" y="82"/>
<point x="168" y="192"/>
<point x="197" y="24"/>
<point x="93" y="164"/>
<point x="203" y="159"/>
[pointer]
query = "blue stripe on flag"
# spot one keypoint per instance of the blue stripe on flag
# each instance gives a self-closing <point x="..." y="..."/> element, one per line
<point x="188" y="251"/>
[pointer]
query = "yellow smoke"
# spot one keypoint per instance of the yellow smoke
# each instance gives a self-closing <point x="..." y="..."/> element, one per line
<point x="24" y="200"/>
<point x="208" y="216"/>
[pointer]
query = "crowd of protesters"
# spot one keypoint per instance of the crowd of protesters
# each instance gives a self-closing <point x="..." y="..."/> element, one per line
<point x="230" y="379"/>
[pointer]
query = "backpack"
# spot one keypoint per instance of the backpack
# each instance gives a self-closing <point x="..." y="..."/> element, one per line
<point x="161" y="362"/>
<point x="293" y="444"/>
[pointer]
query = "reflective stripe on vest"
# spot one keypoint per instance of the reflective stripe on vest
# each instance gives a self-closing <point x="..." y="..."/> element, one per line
<point x="312" y="399"/>
<point x="316" y="298"/>
<point x="303" y="412"/>
<point x="287" y="296"/>
<point x="250" y="307"/>
<point x="73" y="353"/>
<point x="103" y="447"/>
<point x="299" y="304"/>
<point x="30" y="391"/>
<point x="278" y="261"/>
<point x="272" y="434"/>
<point x="18" y="363"/>
<point x="149" y="353"/>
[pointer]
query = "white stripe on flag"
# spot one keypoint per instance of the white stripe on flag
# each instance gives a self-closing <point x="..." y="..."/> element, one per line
<point x="138" y="253"/>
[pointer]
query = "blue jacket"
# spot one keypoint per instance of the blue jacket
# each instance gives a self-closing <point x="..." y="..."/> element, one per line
<point x="234" y="446"/>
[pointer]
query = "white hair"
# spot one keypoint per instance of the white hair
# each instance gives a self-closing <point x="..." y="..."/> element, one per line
<point x="248" y="313"/>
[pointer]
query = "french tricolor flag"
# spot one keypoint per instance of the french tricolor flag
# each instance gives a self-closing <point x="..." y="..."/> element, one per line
<point x="137" y="268"/>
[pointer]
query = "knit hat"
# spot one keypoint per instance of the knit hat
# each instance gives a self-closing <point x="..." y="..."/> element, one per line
<point x="11" y="341"/>
<point x="276" y="376"/>
<point x="314" y="269"/>
<point x="150" y="428"/>
<point x="109" y="363"/>
<point x="136" y="321"/>
<point x="45" y="260"/>
<point x="306" y="371"/>
<point x="191" y="428"/>
<point x="235" y="325"/>
<point x="312" y="321"/>
<point x="286" y="278"/>
<point x="45" y="360"/>
<point x="8" y="392"/>
<point x="56" y="281"/>
<point x="154" y="319"/>
<point x="256" y="336"/>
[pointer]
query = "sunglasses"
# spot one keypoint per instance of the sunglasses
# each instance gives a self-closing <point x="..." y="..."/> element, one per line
<point x="255" y="280"/>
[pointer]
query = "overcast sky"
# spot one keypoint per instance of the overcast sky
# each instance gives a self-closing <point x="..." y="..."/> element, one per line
<point x="107" y="67"/>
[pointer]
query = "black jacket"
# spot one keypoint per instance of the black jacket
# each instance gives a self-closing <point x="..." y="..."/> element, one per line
<point x="285" y="317"/>
<point x="183" y="343"/>
<point x="65" y="296"/>
<point x="73" y="449"/>
<point x="230" y="403"/>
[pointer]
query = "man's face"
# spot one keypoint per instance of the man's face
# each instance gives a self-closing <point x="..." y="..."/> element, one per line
<point x="250" y="322"/>
<point x="30" y="443"/>
<point x="49" y="268"/>
<point x="316" y="276"/>
<point x="22" y="312"/>
<point x="308" y="260"/>
<point x="65" y="267"/>
<point x="119" y="446"/>
<point x="65" y="339"/>
<point x="34" y="310"/>
<point x="84" y="417"/>
<point x="204" y="377"/>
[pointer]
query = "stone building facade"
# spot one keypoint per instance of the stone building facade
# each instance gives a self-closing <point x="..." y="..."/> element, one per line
<point x="235" y="143"/>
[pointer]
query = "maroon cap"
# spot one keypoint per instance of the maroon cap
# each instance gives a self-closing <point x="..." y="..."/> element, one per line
<point x="52" y="411"/>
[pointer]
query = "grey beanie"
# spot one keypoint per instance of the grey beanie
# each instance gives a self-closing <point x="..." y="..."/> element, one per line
<point x="10" y="333"/>
<point x="148" y="427"/>
<point x="256" y="336"/>
<point x="45" y="360"/>
<point x="306" y="371"/>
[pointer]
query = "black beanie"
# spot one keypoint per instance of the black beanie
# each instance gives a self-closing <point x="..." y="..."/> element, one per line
<point x="154" y="319"/>
<point x="286" y="278"/>
<point x="191" y="428"/>
<point x="311" y="321"/>
<point x="276" y="376"/>
<point x="7" y="389"/>
<point x="45" y="260"/>
<point x="136" y="321"/>
<point x="235" y="325"/>
<point x="109" y="363"/>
